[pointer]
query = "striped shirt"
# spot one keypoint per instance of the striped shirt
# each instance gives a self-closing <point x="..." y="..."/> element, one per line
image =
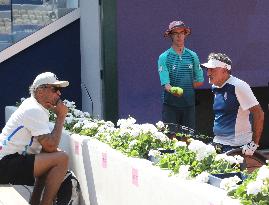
<point x="181" y="71"/>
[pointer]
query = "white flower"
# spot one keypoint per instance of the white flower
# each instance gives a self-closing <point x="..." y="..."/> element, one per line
<point x="70" y="105"/>
<point x="69" y="120"/>
<point x="90" y="125"/>
<point x="254" y="187"/>
<point x="86" y="114"/>
<point x="125" y="131"/>
<point x="184" y="172"/>
<point x="203" y="177"/>
<point x="154" y="153"/>
<point x="220" y="157"/>
<point x="196" y="145"/>
<point x="180" y="144"/>
<point x="100" y="122"/>
<point x="124" y="123"/>
<point x="78" y="113"/>
<point x="161" y="136"/>
<point x="263" y="173"/>
<point x="110" y="130"/>
<point x="132" y="143"/>
<point x="109" y="124"/>
<point x="107" y="136"/>
<point x="232" y="160"/>
<point x="210" y="149"/>
<point x="83" y="120"/>
<point x="201" y="149"/>
<point x="69" y="114"/>
<point x="239" y="159"/>
<point x="154" y="156"/>
<point x="106" y="127"/>
<point x="135" y="130"/>
<point x="230" y="183"/>
<point x="160" y="125"/>
<point x="78" y="125"/>
<point x="148" y="128"/>
<point x="102" y="129"/>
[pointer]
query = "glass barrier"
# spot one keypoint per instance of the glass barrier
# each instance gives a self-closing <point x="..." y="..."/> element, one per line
<point x="20" y="18"/>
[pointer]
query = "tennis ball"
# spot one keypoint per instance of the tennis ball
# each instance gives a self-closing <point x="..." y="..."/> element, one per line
<point x="176" y="90"/>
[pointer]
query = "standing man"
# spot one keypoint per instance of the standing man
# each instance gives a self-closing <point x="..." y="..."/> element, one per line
<point x="28" y="148"/>
<point x="238" y="115"/>
<point x="179" y="67"/>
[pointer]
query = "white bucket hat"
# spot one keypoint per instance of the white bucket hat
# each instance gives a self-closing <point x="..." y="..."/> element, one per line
<point x="48" y="78"/>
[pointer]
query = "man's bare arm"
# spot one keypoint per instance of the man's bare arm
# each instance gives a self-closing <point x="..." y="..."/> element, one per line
<point x="197" y="84"/>
<point x="51" y="141"/>
<point x="258" y="119"/>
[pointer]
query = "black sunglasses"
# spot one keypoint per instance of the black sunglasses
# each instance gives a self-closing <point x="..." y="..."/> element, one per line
<point x="54" y="89"/>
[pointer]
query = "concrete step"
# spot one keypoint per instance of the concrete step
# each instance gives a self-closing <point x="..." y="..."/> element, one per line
<point x="9" y="196"/>
<point x="24" y="191"/>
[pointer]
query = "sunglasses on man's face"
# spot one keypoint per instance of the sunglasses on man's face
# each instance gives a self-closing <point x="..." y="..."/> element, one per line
<point x="54" y="89"/>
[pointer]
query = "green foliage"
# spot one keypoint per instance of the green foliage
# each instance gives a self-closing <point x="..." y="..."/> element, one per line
<point x="260" y="198"/>
<point x="184" y="156"/>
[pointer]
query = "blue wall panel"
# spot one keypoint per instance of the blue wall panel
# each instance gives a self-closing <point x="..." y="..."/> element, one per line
<point x="58" y="53"/>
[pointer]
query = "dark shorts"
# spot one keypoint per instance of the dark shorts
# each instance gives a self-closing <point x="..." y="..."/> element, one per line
<point x="17" y="169"/>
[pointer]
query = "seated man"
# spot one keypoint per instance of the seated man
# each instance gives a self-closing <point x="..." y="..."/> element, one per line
<point x="238" y="115"/>
<point x="28" y="148"/>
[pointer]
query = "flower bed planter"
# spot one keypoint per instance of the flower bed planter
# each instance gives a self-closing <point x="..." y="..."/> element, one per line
<point x="215" y="179"/>
<point x="162" y="151"/>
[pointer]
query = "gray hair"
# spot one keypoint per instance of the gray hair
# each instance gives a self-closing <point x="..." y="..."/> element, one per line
<point x="221" y="57"/>
<point x="32" y="90"/>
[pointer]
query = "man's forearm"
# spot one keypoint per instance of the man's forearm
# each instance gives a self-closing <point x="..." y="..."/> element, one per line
<point x="258" y="119"/>
<point x="197" y="84"/>
<point x="57" y="131"/>
<point x="51" y="141"/>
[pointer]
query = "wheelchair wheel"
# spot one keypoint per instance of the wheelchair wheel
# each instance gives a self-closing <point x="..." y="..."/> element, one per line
<point x="250" y="162"/>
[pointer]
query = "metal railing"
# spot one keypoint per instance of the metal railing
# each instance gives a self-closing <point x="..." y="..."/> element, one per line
<point x="179" y="131"/>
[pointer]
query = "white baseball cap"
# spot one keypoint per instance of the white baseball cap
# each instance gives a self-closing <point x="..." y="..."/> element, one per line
<point x="214" y="63"/>
<point x="48" y="78"/>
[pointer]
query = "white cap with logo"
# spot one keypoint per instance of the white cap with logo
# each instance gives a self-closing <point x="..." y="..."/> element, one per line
<point x="48" y="78"/>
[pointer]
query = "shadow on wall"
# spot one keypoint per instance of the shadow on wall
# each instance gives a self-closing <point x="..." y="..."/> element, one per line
<point x="204" y="112"/>
<point x="262" y="95"/>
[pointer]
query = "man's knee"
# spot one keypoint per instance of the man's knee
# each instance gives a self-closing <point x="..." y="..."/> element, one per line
<point x="45" y="161"/>
<point x="63" y="157"/>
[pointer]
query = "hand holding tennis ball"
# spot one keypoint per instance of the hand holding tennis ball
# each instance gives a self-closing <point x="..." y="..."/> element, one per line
<point x="177" y="91"/>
